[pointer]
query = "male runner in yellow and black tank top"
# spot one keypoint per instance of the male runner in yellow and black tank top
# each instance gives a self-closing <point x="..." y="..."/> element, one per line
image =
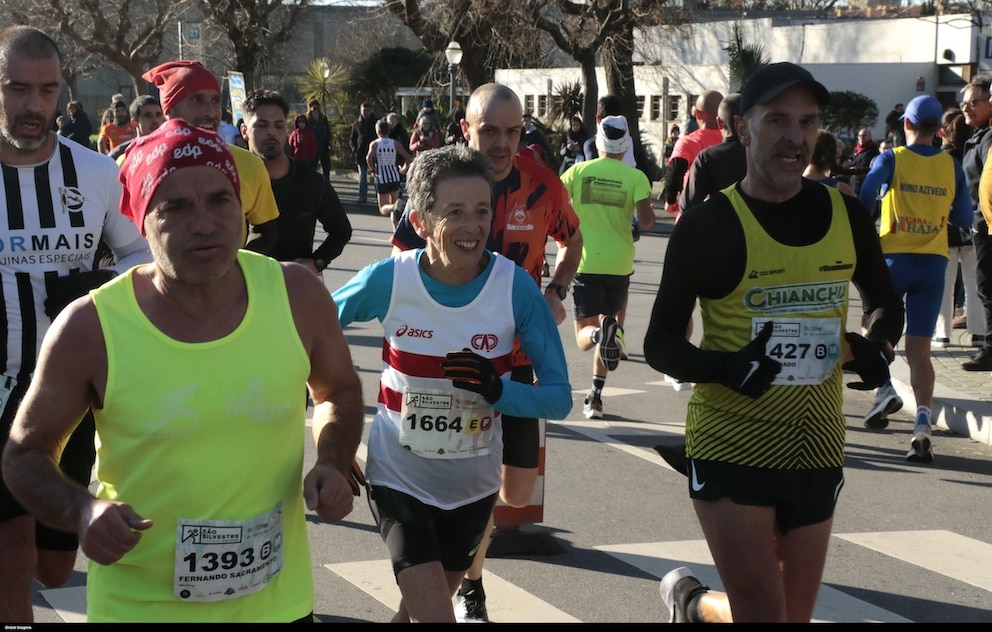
<point x="770" y="260"/>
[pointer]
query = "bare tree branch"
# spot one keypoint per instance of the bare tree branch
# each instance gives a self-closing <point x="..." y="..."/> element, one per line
<point x="256" y="29"/>
<point x="127" y="33"/>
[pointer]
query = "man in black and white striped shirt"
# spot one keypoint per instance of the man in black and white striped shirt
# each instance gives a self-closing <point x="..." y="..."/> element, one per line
<point x="58" y="200"/>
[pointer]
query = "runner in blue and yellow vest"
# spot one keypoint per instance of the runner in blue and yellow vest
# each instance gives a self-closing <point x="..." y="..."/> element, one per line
<point x="922" y="189"/>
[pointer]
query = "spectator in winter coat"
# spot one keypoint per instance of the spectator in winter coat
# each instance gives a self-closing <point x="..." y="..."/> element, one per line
<point x="425" y="136"/>
<point x="303" y="143"/>
<point x="362" y="135"/>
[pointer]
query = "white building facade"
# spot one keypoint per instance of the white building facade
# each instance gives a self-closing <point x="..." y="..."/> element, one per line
<point x="889" y="60"/>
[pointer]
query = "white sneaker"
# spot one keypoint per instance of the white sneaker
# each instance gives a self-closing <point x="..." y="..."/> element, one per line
<point x="592" y="409"/>
<point x="679" y="386"/>
<point x="921" y="448"/>
<point x="887" y="402"/>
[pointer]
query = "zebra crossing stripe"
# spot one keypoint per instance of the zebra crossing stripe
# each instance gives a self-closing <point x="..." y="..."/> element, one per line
<point x="657" y="558"/>
<point x="68" y="603"/>
<point x="944" y="552"/>
<point x="505" y="602"/>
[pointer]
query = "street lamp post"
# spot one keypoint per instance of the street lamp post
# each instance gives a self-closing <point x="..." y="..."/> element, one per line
<point x="323" y="89"/>
<point x="454" y="55"/>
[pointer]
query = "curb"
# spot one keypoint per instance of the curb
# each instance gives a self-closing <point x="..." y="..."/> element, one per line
<point x="952" y="409"/>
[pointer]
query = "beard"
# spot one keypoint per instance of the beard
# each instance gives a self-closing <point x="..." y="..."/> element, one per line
<point x="20" y="141"/>
<point x="271" y="152"/>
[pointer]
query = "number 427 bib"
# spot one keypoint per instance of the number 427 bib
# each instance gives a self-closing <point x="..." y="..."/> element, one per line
<point x="807" y="348"/>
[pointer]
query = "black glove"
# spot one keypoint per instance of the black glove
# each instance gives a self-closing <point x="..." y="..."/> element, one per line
<point x="357" y="479"/>
<point x="69" y="288"/>
<point x="749" y="371"/>
<point x="472" y="372"/>
<point x="871" y="362"/>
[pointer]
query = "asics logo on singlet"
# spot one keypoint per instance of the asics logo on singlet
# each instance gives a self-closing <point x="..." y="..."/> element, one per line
<point x="696" y="485"/>
<point x="72" y="199"/>
<point x="484" y="342"/>
<point x="411" y="332"/>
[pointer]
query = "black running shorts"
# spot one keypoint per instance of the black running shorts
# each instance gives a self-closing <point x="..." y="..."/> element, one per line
<point x="77" y="462"/>
<point x="595" y="294"/>
<point x="800" y="497"/>
<point x="521" y="435"/>
<point x="416" y="533"/>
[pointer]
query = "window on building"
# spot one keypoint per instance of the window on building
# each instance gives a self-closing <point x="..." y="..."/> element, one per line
<point x="656" y="112"/>
<point x="542" y="106"/>
<point x="674" y="105"/>
<point x="640" y="107"/>
<point x="528" y="103"/>
<point x="690" y="105"/>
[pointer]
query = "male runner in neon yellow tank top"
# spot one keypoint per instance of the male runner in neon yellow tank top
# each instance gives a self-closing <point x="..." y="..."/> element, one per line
<point x="199" y="513"/>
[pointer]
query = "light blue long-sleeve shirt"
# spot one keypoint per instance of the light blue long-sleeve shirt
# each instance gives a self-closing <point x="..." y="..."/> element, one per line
<point x="367" y="295"/>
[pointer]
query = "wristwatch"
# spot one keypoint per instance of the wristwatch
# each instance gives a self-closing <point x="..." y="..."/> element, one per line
<point x="561" y="290"/>
<point x="320" y="264"/>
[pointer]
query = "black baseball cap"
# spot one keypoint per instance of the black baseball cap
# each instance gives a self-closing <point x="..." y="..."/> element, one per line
<point x="772" y="80"/>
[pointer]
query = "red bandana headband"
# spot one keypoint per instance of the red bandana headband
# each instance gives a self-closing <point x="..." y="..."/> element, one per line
<point x="176" y="80"/>
<point x="174" y="145"/>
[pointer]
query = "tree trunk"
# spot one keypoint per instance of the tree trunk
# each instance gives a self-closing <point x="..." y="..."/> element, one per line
<point x="591" y="82"/>
<point x="618" y="54"/>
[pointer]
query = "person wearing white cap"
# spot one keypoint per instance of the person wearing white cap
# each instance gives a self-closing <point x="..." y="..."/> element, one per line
<point x="606" y="195"/>
<point x="923" y="189"/>
<point x="770" y="260"/>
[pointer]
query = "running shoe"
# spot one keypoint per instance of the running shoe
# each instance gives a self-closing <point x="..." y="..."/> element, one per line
<point x="608" y="349"/>
<point x="678" y="385"/>
<point x="887" y="402"/>
<point x="470" y="606"/>
<point x="593" y="409"/>
<point x="621" y="343"/>
<point x="678" y="588"/>
<point x="921" y="450"/>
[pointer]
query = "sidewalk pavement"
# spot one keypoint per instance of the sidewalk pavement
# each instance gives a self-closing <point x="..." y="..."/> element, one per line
<point x="962" y="400"/>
